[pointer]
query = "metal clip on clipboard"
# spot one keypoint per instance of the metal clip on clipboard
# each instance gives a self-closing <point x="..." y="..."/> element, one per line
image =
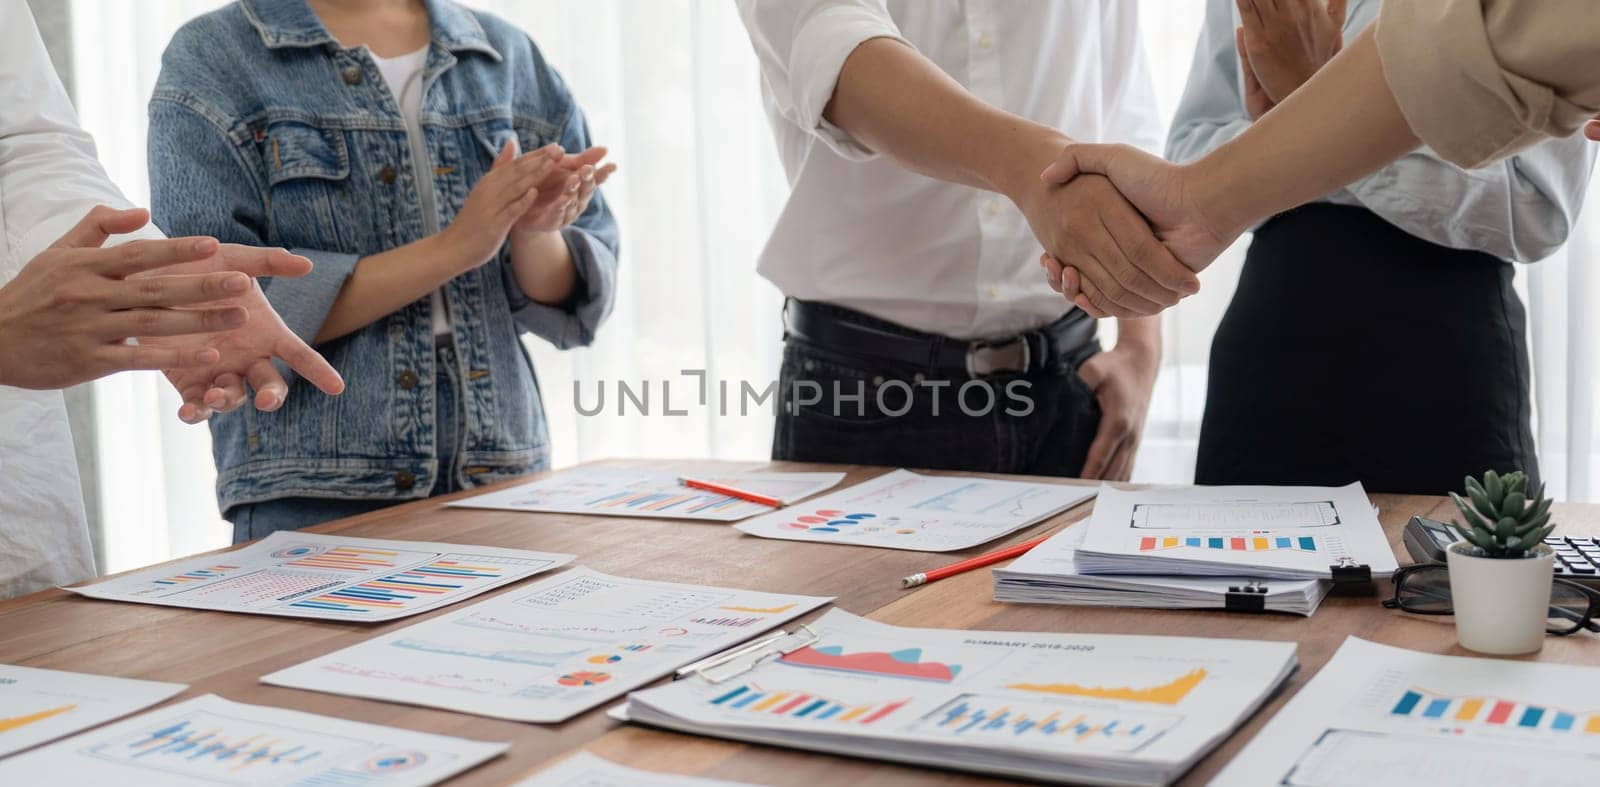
<point x="1249" y="597"/>
<point x="731" y="664"/>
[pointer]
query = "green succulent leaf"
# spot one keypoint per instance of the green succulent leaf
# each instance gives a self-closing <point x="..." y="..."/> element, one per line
<point x="1481" y="502"/>
<point x="1513" y="504"/>
<point x="1492" y="485"/>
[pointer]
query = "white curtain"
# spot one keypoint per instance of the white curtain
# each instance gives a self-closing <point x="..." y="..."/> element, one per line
<point x="671" y="87"/>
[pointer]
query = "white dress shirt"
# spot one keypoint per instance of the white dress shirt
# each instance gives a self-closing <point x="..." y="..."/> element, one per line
<point x="1521" y="208"/>
<point x="862" y="232"/>
<point x="49" y="178"/>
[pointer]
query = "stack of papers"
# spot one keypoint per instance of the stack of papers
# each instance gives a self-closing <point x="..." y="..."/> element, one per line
<point x="1048" y="574"/>
<point x="1272" y="532"/>
<point x="927" y="513"/>
<point x="1059" y="707"/>
<point x="38" y="705"/>
<point x="1382" y="715"/>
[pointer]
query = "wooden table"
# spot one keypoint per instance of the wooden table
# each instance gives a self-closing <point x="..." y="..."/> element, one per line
<point x="223" y="653"/>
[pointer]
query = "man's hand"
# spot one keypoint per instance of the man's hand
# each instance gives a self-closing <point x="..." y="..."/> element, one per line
<point x="1256" y="100"/>
<point x="66" y="317"/>
<point x="1090" y="226"/>
<point x="1156" y="188"/>
<point x="1122" y="379"/>
<point x="1285" y="42"/>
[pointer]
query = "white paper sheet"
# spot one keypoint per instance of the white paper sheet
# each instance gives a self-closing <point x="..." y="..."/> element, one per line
<point x="607" y="491"/>
<point x="209" y="740"/>
<point x="1292" y="532"/>
<point x="550" y="651"/>
<point x="308" y="575"/>
<point x="38" y="705"/>
<point x="1137" y="709"/>
<point x="586" y="770"/>
<point x="1383" y="715"/>
<point x="906" y="510"/>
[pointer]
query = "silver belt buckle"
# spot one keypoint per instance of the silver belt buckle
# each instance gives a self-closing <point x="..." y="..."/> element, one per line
<point x="985" y="358"/>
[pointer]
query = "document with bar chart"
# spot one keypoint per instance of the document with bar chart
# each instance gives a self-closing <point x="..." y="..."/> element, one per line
<point x="1096" y="708"/>
<point x="927" y="513"/>
<point x="1383" y="715"/>
<point x="610" y="491"/>
<point x="1272" y="532"/>
<point x="209" y="740"/>
<point x="38" y="705"/>
<point x="549" y="651"/>
<point x="308" y="575"/>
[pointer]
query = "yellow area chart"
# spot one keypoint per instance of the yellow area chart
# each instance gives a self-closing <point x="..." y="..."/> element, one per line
<point x="1165" y="694"/>
<point x="760" y="610"/>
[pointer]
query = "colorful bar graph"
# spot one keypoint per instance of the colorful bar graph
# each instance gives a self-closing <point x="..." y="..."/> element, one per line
<point x="349" y="559"/>
<point x="1423" y="704"/>
<point x="197" y="575"/>
<point x="406" y="587"/>
<point x="804" y="705"/>
<point x="185" y="741"/>
<point x="1256" y="543"/>
<point x="729" y="622"/>
<point x="1052" y="725"/>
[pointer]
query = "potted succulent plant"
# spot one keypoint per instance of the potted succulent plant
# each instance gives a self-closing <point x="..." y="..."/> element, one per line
<point x="1501" y="570"/>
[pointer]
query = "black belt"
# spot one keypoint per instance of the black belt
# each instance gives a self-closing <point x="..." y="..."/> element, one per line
<point x="1066" y="341"/>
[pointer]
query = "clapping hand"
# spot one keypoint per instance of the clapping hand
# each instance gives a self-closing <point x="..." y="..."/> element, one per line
<point x="1282" y="43"/>
<point x="566" y="189"/>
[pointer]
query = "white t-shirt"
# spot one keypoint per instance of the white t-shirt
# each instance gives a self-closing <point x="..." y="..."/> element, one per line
<point x="403" y="74"/>
<point x="50" y="179"/>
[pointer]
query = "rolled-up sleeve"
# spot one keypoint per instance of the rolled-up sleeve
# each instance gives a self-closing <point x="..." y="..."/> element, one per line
<point x="199" y="185"/>
<point x="594" y="246"/>
<point x="1478" y="80"/>
<point x="801" y="46"/>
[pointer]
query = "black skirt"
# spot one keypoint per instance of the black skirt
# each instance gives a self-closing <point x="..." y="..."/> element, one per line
<point x="1353" y="351"/>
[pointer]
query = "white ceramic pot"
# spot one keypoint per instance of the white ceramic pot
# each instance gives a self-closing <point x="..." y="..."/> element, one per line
<point x="1501" y="605"/>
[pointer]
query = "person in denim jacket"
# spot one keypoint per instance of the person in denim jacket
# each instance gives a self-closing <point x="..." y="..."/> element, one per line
<point x="386" y="144"/>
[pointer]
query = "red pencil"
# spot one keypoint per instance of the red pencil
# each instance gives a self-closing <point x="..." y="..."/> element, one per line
<point x="731" y="492"/>
<point x="972" y="563"/>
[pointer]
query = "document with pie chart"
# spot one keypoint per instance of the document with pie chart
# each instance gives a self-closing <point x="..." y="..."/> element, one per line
<point x="308" y="575"/>
<point x="549" y="651"/>
<point x="926" y="513"/>
<point x="38" y="705"/>
<point x="210" y="740"/>
<point x="1096" y="708"/>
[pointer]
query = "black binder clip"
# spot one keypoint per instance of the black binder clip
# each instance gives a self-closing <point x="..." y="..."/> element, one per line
<point x="1249" y="597"/>
<point x="1351" y="578"/>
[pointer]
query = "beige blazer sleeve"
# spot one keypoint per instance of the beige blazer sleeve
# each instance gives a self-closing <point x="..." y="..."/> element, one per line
<point x="1481" y="79"/>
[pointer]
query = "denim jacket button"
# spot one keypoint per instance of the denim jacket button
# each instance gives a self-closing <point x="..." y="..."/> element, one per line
<point x="387" y="174"/>
<point x="352" y="75"/>
<point x="408" y="379"/>
<point x="404" y="480"/>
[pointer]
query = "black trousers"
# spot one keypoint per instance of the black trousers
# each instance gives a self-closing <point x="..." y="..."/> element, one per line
<point x="1353" y="351"/>
<point x="839" y="407"/>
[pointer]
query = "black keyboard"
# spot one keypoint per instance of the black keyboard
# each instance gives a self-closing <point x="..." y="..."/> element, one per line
<point x="1577" y="558"/>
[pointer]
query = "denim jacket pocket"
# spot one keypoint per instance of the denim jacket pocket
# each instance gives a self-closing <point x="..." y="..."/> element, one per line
<point x="305" y="166"/>
<point x="492" y="134"/>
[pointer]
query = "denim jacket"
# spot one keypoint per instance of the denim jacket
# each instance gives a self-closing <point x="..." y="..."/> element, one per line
<point x="264" y="131"/>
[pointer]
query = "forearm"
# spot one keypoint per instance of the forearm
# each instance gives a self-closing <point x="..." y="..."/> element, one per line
<point x="1340" y="126"/>
<point x="901" y="105"/>
<point x="542" y="265"/>
<point x="1142" y="335"/>
<point x="385" y="283"/>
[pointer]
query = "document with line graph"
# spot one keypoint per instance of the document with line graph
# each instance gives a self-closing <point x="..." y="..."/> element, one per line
<point x="1090" y="708"/>
<point x="310" y="575"/>
<point x="927" y="513"/>
<point x="550" y="651"/>
<point x="1273" y="532"/>
<point x="38" y="705"/>
<point x="210" y="740"/>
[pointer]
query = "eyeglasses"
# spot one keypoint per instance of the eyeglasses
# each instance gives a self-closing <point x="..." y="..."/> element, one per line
<point x="1424" y="589"/>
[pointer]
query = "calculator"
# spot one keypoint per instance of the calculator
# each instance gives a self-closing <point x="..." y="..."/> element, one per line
<point x="1577" y="557"/>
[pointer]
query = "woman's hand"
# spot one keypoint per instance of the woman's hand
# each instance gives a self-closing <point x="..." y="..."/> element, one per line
<point x="1285" y="42"/>
<point x="497" y="202"/>
<point x="566" y="190"/>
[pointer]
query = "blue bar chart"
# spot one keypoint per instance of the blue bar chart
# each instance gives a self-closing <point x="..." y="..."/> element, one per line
<point x="1046" y="725"/>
